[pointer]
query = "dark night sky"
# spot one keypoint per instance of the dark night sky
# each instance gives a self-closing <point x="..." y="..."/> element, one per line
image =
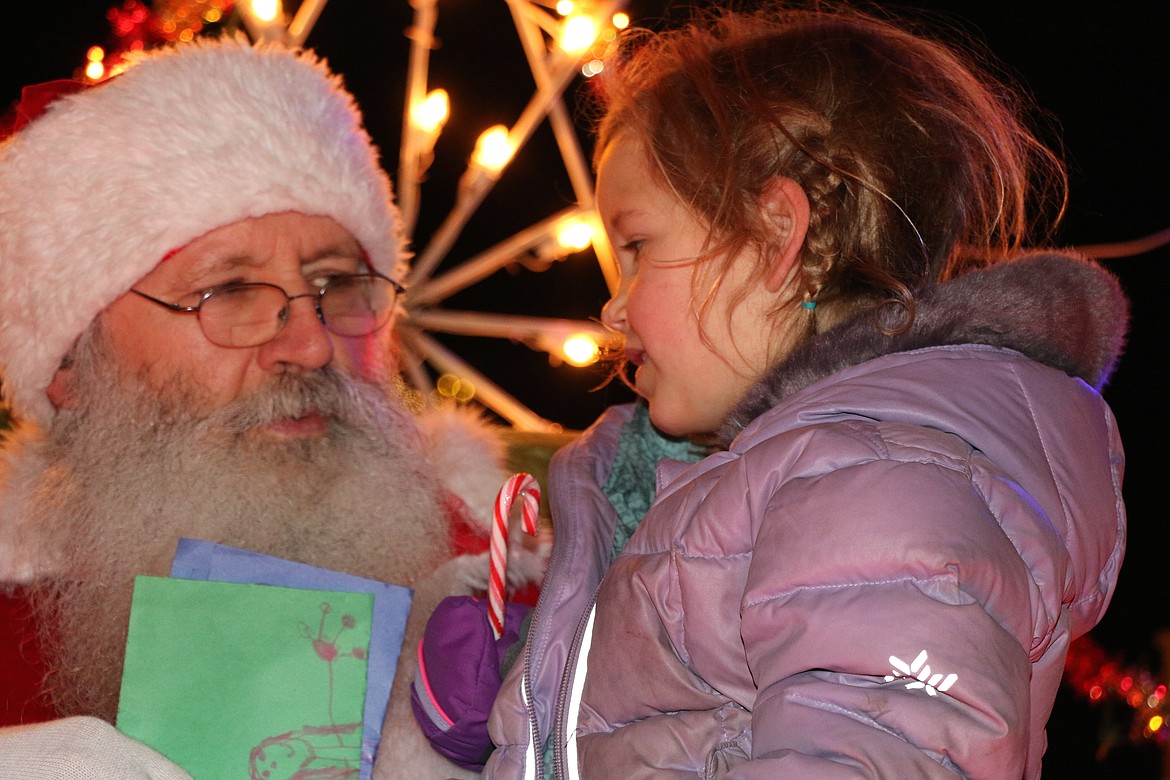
<point x="1102" y="70"/>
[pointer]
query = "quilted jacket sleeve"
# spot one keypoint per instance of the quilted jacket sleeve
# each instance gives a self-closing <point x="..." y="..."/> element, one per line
<point x="892" y="638"/>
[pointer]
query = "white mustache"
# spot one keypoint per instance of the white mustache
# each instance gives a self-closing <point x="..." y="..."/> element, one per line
<point x="326" y="392"/>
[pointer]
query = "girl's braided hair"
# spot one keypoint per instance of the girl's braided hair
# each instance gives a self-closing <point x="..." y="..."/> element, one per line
<point x="916" y="162"/>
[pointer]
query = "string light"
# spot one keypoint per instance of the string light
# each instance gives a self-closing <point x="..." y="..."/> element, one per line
<point x="431" y="113"/>
<point x="136" y="27"/>
<point x="493" y="150"/>
<point x="95" y="68"/>
<point x="578" y="33"/>
<point x="266" y="11"/>
<point x="574" y="235"/>
<point x="580" y="350"/>
<point x="1101" y="679"/>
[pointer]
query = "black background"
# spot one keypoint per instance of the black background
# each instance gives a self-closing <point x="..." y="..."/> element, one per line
<point x="1102" y="71"/>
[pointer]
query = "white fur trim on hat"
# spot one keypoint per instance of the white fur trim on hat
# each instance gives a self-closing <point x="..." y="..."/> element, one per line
<point x="94" y="193"/>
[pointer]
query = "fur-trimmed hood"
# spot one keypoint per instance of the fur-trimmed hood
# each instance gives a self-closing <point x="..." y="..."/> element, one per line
<point x="1057" y="309"/>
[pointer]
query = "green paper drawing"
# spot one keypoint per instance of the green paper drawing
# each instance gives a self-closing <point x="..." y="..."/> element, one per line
<point x="235" y="681"/>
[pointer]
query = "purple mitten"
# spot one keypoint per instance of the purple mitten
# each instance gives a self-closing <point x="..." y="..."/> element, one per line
<point x="458" y="676"/>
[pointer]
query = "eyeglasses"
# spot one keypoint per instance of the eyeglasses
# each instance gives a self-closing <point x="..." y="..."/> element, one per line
<point x="248" y="314"/>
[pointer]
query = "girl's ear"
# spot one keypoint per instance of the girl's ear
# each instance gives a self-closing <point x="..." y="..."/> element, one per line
<point x="785" y="207"/>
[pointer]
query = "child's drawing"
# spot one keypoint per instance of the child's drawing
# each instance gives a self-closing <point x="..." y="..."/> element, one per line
<point x="329" y="752"/>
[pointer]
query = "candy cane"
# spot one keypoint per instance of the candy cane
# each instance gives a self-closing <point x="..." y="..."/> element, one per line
<point x="517" y="484"/>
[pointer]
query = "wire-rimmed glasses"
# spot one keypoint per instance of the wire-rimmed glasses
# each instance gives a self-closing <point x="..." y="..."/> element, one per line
<point x="248" y="314"/>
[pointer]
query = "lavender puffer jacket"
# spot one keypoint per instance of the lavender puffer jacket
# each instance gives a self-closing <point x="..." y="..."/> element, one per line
<point x="879" y="577"/>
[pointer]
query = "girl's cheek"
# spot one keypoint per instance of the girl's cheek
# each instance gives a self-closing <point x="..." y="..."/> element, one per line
<point x="633" y="303"/>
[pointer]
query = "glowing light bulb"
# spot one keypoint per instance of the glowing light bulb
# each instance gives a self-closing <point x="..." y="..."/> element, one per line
<point x="573" y="235"/>
<point x="493" y="150"/>
<point x="592" y="68"/>
<point x="430" y="114"/>
<point x="1155" y="723"/>
<point x="94" y="71"/>
<point x="578" y="33"/>
<point x="266" y="10"/>
<point x="565" y="7"/>
<point x="620" y="21"/>
<point x="95" y="54"/>
<point x="581" y="349"/>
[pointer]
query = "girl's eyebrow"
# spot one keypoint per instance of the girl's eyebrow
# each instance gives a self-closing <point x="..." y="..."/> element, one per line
<point x="619" y="220"/>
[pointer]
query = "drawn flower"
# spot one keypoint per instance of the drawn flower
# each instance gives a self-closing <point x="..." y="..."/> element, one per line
<point x="326" y="651"/>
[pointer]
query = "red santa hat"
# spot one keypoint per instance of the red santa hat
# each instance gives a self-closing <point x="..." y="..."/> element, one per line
<point x="109" y="180"/>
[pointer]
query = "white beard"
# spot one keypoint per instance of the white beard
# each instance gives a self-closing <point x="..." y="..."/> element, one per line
<point x="133" y="469"/>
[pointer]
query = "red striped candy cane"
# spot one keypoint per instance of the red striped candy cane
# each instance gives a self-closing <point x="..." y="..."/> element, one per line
<point x="517" y="485"/>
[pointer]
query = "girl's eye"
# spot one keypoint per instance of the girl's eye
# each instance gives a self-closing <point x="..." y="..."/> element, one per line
<point x="633" y="247"/>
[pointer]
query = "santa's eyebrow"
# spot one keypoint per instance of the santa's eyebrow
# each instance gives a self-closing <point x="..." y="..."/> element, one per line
<point x="345" y="249"/>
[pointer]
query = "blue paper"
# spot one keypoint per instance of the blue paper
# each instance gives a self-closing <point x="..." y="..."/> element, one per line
<point x="200" y="560"/>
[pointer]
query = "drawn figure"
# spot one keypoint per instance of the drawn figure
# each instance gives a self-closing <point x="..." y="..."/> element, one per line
<point x="311" y="753"/>
<point x="315" y="752"/>
<point x="326" y="649"/>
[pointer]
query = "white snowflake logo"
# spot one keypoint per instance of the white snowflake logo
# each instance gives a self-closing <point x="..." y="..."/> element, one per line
<point x="918" y="672"/>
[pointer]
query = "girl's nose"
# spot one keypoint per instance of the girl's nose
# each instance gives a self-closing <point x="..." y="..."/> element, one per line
<point x="613" y="313"/>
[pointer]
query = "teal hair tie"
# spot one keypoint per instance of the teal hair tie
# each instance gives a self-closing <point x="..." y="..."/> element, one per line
<point x="810" y="305"/>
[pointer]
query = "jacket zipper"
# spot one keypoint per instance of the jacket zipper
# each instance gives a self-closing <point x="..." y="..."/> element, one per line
<point x="560" y="731"/>
<point x="537" y="744"/>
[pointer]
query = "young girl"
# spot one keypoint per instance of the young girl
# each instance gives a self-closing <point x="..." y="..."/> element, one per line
<point x="916" y="503"/>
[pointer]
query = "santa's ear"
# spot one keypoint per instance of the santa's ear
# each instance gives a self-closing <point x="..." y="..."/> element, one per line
<point x="62" y="391"/>
<point x="784" y="206"/>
